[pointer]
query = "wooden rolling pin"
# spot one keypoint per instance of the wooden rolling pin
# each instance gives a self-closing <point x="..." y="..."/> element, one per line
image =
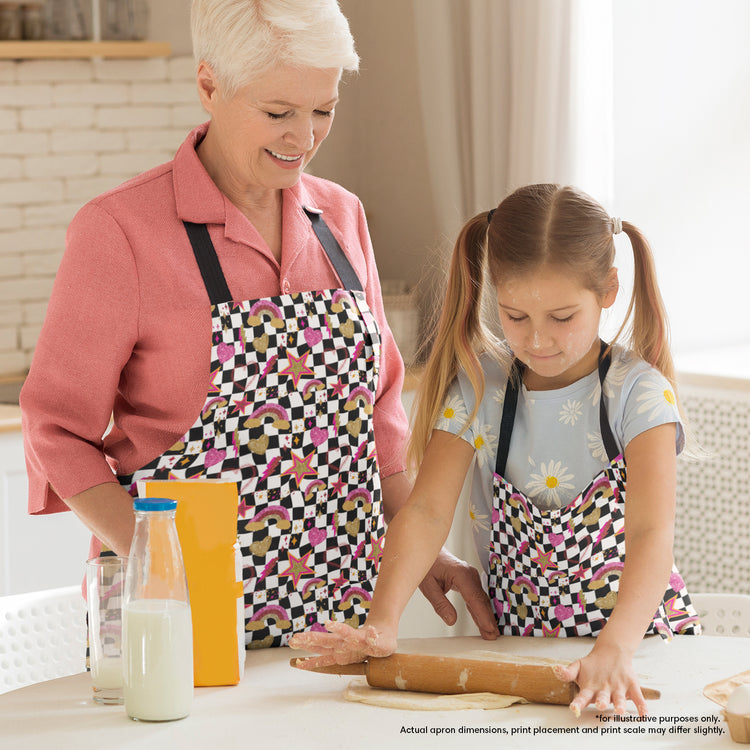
<point x="450" y="675"/>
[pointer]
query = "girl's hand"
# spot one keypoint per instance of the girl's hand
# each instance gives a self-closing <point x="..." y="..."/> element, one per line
<point x="343" y="644"/>
<point x="605" y="677"/>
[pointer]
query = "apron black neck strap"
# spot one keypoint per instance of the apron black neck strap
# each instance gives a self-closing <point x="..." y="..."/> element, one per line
<point x="213" y="276"/>
<point x="510" y="403"/>
<point x="610" y="444"/>
<point x="339" y="261"/>
<point x="208" y="263"/>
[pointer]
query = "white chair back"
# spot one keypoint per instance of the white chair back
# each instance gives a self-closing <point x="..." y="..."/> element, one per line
<point x="723" y="614"/>
<point x="42" y="636"/>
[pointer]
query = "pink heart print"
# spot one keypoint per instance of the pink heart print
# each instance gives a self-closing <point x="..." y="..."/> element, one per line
<point x="555" y="539"/>
<point x="562" y="612"/>
<point x="316" y="536"/>
<point x="225" y="352"/>
<point x="313" y="336"/>
<point x="213" y="457"/>
<point x="318" y="435"/>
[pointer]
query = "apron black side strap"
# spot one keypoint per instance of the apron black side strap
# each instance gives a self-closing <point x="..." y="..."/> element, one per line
<point x="610" y="444"/>
<point x="208" y="263"/>
<point x="339" y="261"/>
<point x="510" y="401"/>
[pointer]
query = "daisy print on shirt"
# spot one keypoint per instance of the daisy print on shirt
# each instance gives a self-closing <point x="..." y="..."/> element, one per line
<point x="571" y="412"/>
<point x="454" y="409"/>
<point x="657" y="400"/>
<point x="485" y="444"/>
<point x="547" y="485"/>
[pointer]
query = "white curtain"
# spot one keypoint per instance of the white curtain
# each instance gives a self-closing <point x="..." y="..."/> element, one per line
<point x="513" y="92"/>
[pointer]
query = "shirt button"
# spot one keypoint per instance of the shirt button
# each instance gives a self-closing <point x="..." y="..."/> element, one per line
<point x="285" y="286"/>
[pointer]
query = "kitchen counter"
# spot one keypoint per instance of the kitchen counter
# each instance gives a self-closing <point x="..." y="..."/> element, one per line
<point x="10" y="417"/>
<point x="275" y="705"/>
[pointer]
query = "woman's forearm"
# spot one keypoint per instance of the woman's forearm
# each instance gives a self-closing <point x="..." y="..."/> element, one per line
<point x="107" y="510"/>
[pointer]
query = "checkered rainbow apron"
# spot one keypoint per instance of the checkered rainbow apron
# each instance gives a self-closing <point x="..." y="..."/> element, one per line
<point x="288" y="416"/>
<point x="557" y="572"/>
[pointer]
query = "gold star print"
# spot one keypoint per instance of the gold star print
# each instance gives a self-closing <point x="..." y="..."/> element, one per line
<point x="542" y="559"/>
<point x="301" y="467"/>
<point x="297" y="568"/>
<point x="297" y="368"/>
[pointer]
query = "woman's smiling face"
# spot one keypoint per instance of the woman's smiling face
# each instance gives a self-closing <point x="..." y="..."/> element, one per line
<point x="551" y="323"/>
<point x="264" y="135"/>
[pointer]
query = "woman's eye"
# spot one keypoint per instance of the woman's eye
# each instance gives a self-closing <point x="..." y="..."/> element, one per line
<point x="324" y="112"/>
<point x="276" y="116"/>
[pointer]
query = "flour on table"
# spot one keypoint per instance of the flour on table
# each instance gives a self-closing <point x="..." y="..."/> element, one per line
<point x="359" y="691"/>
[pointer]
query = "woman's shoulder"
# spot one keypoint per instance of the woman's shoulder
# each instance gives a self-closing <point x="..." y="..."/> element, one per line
<point x="145" y="189"/>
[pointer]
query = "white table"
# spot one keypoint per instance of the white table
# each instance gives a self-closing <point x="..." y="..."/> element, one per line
<point x="276" y="706"/>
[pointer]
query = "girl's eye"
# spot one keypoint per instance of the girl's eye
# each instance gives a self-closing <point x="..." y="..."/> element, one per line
<point x="516" y="320"/>
<point x="563" y="320"/>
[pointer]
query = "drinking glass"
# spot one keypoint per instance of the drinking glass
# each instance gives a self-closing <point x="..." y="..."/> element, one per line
<point x="105" y="579"/>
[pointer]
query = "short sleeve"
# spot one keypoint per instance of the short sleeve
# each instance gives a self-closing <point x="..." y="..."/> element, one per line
<point x="454" y="413"/>
<point x="650" y="402"/>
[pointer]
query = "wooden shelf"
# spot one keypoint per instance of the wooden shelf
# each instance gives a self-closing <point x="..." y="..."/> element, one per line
<point x="69" y="50"/>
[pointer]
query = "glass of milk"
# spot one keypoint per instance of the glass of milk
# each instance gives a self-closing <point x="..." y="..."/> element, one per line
<point x="105" y="580"/>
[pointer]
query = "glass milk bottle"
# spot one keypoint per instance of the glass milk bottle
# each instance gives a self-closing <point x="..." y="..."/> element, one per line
<point x="157" y="628"/>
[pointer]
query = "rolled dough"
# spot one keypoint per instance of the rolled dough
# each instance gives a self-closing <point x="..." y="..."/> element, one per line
<point x="406" y="700"/>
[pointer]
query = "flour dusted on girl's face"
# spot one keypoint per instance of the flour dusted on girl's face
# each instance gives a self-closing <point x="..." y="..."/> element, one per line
<point x="551" y="323"/>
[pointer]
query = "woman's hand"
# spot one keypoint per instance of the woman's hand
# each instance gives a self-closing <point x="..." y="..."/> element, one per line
<point x="343" y="644"/>
<point x="448" y="573"/>
<point x="605" y="677"/>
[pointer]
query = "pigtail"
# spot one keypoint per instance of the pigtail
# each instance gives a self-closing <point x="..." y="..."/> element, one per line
<point x="649" y="328"/>
<point x="460" y="335"/>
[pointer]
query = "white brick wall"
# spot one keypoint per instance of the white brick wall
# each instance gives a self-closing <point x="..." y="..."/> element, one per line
<point x="70" y="129"/>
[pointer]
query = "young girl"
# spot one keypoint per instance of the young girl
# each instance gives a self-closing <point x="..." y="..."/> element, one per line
<point x="551" y="417"/>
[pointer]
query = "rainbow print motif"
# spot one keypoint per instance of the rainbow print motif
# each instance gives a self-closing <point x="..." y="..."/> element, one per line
<point x="288" y="416"/>
<point x="556" y="573"/>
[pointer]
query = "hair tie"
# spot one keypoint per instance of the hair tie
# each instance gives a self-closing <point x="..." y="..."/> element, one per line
<point x="616" y="225"/>
<point x="490" y="214"/>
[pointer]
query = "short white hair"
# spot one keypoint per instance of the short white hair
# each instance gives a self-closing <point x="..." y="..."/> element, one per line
<point x="242" y="39"/>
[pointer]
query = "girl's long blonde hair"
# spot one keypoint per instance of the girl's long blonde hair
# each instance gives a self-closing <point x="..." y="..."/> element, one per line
<point x="534" y="226"/>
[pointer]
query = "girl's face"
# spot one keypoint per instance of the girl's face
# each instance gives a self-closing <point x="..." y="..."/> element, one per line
<point x="551" y="323"/>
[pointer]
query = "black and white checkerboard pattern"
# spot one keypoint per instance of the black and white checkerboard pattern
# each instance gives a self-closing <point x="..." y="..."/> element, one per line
<point x="288" y="416"/>
<point x="556" y="573"/>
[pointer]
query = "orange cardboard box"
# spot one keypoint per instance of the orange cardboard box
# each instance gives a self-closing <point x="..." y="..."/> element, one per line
<point x="206" y="522"/>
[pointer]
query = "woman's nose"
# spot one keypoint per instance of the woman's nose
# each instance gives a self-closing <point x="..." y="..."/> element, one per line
<point x="301" y="135"/>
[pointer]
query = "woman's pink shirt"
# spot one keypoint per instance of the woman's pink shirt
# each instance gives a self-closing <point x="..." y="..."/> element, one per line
<point x="128" y="329"/>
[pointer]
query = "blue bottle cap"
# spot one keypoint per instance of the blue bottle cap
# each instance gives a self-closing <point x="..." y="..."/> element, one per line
<point x="154" y="503"/>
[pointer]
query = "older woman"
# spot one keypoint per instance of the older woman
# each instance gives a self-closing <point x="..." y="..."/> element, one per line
<point x="225" y="309"/>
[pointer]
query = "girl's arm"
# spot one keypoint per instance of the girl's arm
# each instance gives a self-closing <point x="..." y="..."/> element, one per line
<point x="447" y="573"/>
<point x="606" y="675"/>
<point x="413" y="541"/>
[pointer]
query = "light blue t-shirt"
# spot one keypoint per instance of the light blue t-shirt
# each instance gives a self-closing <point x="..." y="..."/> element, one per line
<point x="556" y="448"/>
